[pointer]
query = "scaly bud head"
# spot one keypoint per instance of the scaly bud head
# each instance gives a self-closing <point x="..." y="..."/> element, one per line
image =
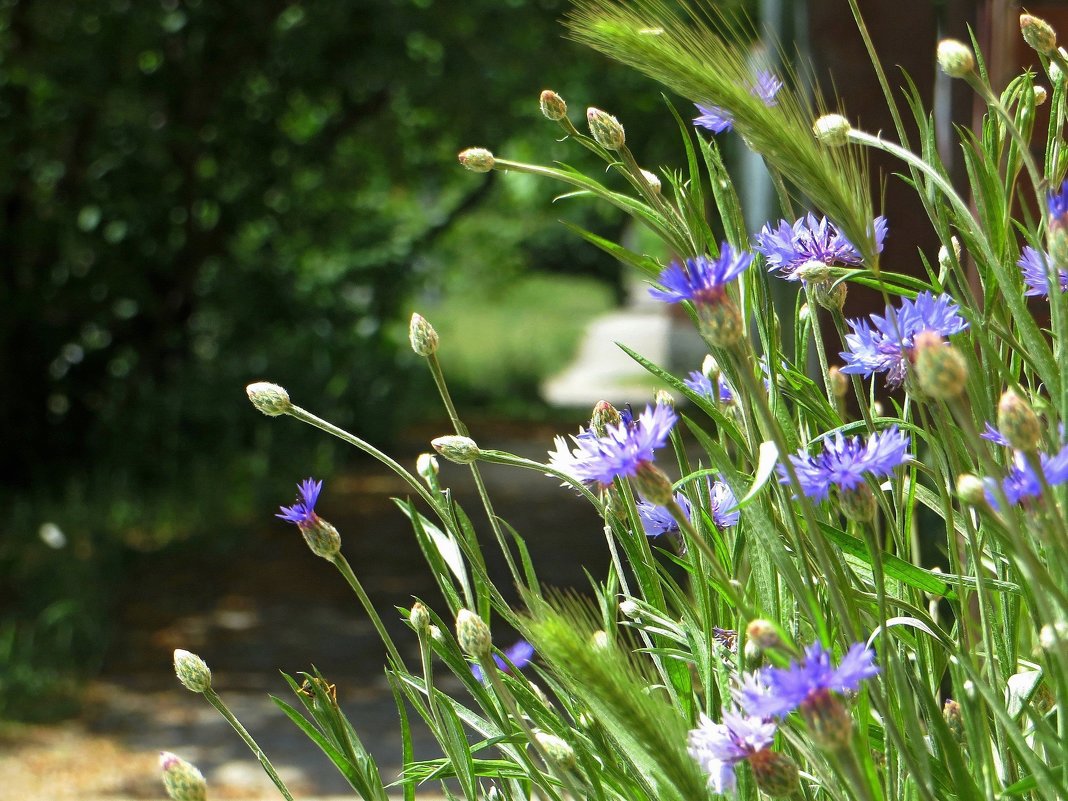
<point x="830" y="296"/>
<point x="473" y="634"/>
<point x="951" y="712"/>
<point x="940" y="368"/>
<point x="857" y="503"/>
<point x="664" y="398"/>
<point x="1041" y="95"/>
<point x="599" y="641"/>
<point x="422" y="335"/>
<point x="1039" y="34"/>
<point x="556" y="749"/>
<point x="955" y="58"/>
<point x="832" y="130"/>
<point x="605" y="129"/>
<point x="1018" y="422"/>
<point x="322" y="538"/>
<point x="720" y="323"/>
<point x="629" y="609"/>
<point x="971" y="489"/>
<point x="477" y="159"/>
<point x="776" y="774"/>
<point x="1054" y="69"/>
<point x="943" y="254"/>
<point x="653" y="485"/>
<point x="461" y="450"/>
<point x="828" y="720"/>
<point x="181" y="780"/>
<point x="427" y="467"/>
<point x="419" y="617"/>
<point x="763" y="633"/>
<point x="604" y="416"/>
<point x="192" y="671"/>
<point x="270" y="399"/>
<point x="553" y="106"/>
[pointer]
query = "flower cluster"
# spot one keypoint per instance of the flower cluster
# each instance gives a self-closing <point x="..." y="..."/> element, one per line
<point x="795" y="251"/>
<point x="845" y="461"/>
<point x="718" y="120"/>
<point x="888" y="343"/>
<point x="722" y="508"/>
<point x="1033" y="266"/>
<point x="702" y="279"/>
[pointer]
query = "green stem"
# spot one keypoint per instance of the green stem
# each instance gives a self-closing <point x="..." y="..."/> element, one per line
<point x="342" y="564"/>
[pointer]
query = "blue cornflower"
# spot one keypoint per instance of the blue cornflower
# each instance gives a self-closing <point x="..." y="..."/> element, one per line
<point x="702" y="279"/>
<point x="303" y="511"/>
<point x="888" y="346"/>
<point x="620" y="452"/>
<point x="519" y="655"/>
<point x="702" y="385"/>
<point x="718" y="747"/>
<point x="776" y="692"/>
<point x="1058" y="206"/>
<point x="845" y="461"/>
<point x="787" y="248"/>
<point x="1032" y="264"/>
<point x="1023" y="482"/>
<point x="993" y="435"/>
<point x="723" y="508"/>
<point x="718" y="119"/>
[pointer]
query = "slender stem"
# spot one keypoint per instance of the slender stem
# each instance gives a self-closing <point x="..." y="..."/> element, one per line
<point x="217" y="702"/>
<point x="342" y="564"/>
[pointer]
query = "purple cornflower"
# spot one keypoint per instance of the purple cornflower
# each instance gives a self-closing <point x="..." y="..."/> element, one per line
<point x="888" y="347"/>
<point x="519" y="655"/>
<point x="723" y="506"/>
<point x="302" y="513"/>
<point x="776" y="692"/>
<point x="718" y="747"/>
<point x="845" y="460"/>
<point x="702" y="385"/>
<point x="993" y="435"/>
<point x="1058" y="206"/>
<point x="1032" y="265"/>
<point x="718" y="120"/>
<point x="1023" y="482"/>
<point x="620" y="452"/>
<point x="702" y="279"/>
<point x="787" y="248"/>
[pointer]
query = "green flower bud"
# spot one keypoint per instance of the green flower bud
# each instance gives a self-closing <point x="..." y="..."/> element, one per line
<point x="951" y="712"/>
<point x="629" y="609"/>
<point x="181" y="780"/>
<point x="1039" y="34"/>
<point x="270" y="399"/>
<point x="192" y="671"/>
<point x="653" y="485"/>
<point x="943" y="254"/>
<point x="763" y="633"/>
<point x="955" y="58"/>
<point x="828" y="720"/>
<point x="322" y="538"/>
<point x="721" y="323"/>
<point x="556" y="749"/>
<point x="419" y="617"/>
<point x="477" y="159"/>
<point x="605" y="416"/>
<point x="664" y="398"/>
<point x="830" y="296"/>
<point x="553" y="106"/>
<point x="605" y="129"/>
<point x="473" y="634"/>
<point x="971" y="489"/>
<point x="838" y="382"/>
<point x="940" y="368"/>
<point x="1041" y="94"/>
<point x="857" y="503"/>
<point x="652" y="180"/>
<point x="832" y="130"/>
<point x="461" y="450"/>
<point x="1018" y="422"/>
<point x="423" y="337"/>
<point x="599" y="641"/>
<point x="427" y="468"/>
<point x="776" y="774"/>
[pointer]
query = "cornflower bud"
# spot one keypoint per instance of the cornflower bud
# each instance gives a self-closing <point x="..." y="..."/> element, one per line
<point x="652" y="180"/>
<point x="832" y="130"/>
<point x="436" y="635"/>
<point x="721" y="323"/>
<point x="270" y="399"/>
<point x="419" y="617"/>
<point x="423" y="337"/>
<point x="1054" y="69"/>
<point x="1041" y="94"/>
<point x="943" y="255"/>
<point x="830" y="296"/>
<point x="605" y="129"/>
<point x="604" y="416"/>
<point x="776" y="774"/>
<point x="181" y="780"/>
<point x="971" y="490"/>
<point x="839" y="383"/>
<point x="556" y="749"/>
<point x="192" y="671"/>
<point x="955" y="58"/>
<point x="477" y="159"/>
<point x="951" y="713"/>
<point x="322" y="538"/>
<point x="653" y="485"/>
<point x="629" y="609"/>
<point x="1018" y="422"/>
<point x="664" y="398"/>
<point x="1039" y="34"/>
<point x="764" y="633"/>
<point x="857" y="503"/>
<point x="473" y="634"/>
<point x="552" y="105"/>
<point x="461" y="450"/>
<point x="427" y="467"/>
<point x="940" y="368"/>
<point x="599" y="641"/>
<point x="828" y="720"/>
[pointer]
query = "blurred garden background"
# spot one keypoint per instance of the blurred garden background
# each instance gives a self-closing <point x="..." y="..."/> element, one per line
<point x="196" y="194"/>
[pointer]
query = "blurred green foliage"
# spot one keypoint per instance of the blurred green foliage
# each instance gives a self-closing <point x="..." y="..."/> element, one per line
<point x="194" y="195"/>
